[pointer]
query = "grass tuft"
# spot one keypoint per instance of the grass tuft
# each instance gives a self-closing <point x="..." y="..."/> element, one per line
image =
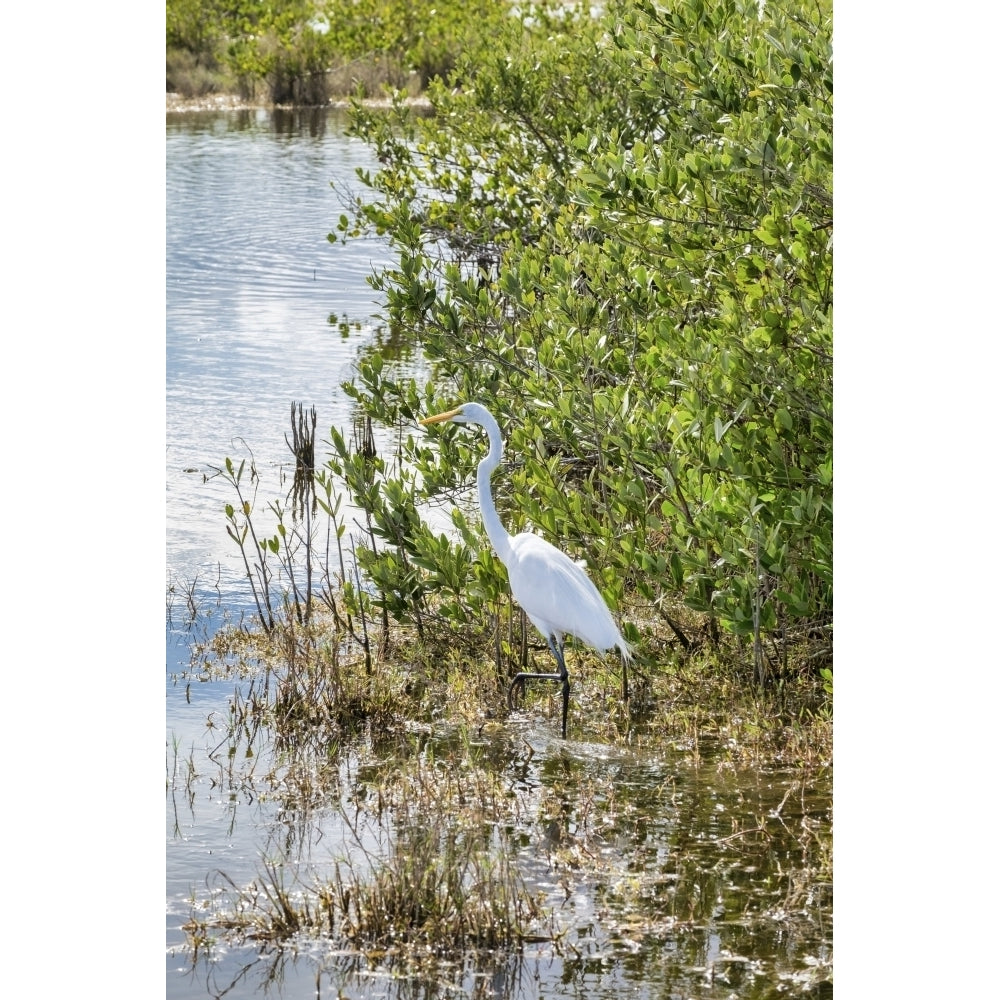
<point x="428" y="865"/>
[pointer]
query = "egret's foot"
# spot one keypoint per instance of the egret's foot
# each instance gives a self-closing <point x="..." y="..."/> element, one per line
<point x="517" y="683"/>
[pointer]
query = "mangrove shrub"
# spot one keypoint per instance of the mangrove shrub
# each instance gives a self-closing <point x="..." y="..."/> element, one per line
<point x="615" y="231"/>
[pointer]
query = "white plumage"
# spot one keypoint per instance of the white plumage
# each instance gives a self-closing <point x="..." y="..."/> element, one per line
<point x="555" y="592"/>
<point x="557" y="595"/>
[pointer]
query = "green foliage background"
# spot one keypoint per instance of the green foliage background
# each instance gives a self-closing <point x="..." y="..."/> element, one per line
<point x="289" y="47"/>
<point x="615" y="231"/>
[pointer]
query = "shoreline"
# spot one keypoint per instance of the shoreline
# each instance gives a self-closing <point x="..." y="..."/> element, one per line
<point x="233" y="102"/>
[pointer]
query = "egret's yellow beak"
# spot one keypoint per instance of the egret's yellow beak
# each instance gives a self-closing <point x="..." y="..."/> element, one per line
<point x="441" y="417"/>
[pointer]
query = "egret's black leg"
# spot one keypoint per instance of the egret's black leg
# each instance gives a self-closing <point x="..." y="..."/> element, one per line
<point x="565" y="692"/>
<point x="557" y="652"/>
<point x="562" y="677"/>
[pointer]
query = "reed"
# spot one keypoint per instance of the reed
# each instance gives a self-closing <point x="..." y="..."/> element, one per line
<point x="428" y="865"/>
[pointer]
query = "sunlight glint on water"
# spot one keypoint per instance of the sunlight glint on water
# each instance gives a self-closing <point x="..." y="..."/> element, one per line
<point x="251" y="282"/>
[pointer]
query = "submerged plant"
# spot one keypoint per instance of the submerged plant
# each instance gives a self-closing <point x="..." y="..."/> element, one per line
<point x="427" y="863"/>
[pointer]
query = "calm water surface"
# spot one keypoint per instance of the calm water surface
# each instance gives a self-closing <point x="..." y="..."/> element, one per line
<point x="252" y="282"/>
<point x="673" y="896"/>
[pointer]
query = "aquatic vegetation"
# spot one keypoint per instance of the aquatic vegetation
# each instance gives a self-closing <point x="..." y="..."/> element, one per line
<point x="430" y="832"/>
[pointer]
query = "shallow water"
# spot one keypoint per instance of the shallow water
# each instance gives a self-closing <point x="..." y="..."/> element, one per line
<point x="262" y="311"/>
<point x="659" y="874"/>
<point x="662" y="873"/>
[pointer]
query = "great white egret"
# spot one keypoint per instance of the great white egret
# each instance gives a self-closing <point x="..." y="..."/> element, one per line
<point x="555" y="592"/>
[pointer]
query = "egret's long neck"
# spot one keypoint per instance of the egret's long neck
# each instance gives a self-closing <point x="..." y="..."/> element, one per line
<point x="497" y="533"/>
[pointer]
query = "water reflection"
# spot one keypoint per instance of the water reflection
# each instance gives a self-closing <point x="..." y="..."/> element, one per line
<point x="663" y="876"/>
<point x="251" y="284"/>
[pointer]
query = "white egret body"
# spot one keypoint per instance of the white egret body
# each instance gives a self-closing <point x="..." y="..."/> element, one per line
<point x="555" y="592"/>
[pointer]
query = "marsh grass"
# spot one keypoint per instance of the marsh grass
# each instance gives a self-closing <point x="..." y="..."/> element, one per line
<point x="425" y="865"/>
<point x="307" y="684"/>
<point x="313" y="683"/>
<point x="442" y="885"/>
<point x="702" y="699"/>
<point x="435" y="832"/>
